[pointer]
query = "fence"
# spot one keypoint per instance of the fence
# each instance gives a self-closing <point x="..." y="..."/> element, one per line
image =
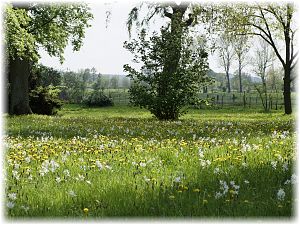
<point x="252" y="99"/>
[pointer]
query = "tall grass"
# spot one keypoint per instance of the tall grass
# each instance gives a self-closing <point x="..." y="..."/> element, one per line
<point x="119" y="161"/>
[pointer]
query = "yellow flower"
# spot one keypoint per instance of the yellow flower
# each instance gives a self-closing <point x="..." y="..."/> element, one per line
<point x="171" y="197"/>
<point x="196" y="190"/>
<point x="85" y="210"/>
<point x="279" y="206"/>
<point x="205" y="201"/>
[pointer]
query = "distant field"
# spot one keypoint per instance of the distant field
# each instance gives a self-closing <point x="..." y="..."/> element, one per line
<point x="121" y="162"/>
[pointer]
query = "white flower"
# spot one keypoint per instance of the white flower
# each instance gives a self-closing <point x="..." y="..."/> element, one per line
<point x="10" y="205"/>
<point x="66" y="173"/>
<point x="72" y="193"/>
<point x="232" y="183"/>
<point x="177" y="179"/>
<point x="143" y="164"/>
<point x="293" y="179"/>
<point x="108" y="167"/>
<point x="244" y="164"/>
<point x="99" y="165"/>
<point x="287" y="182"/>
<point x="200" y="152"/>
<point x="246" y="182"/>
<point x="274" y="164"/>
<point x="285" y="167"/>
<point x="218" y="195"/>
<point x="58" y="179"/>
<point x="12" y="196"/>
<point x="280" y="194"/>
<point x="217" y="170"/>
<point x="26" y="208"/>
<point x="16" y="174"/>
<point x="89" y="182"/>
<point x="27" y="159"/>
<point x="80" y="177"/>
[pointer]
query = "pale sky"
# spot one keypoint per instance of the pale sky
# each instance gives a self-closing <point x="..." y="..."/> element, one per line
<point x="103" y="47"/>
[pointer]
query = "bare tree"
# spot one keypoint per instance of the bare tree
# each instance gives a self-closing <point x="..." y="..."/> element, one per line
<point x="263" y="58"/>
<point x="226" y="54"/>
<point x="241" y="49"/>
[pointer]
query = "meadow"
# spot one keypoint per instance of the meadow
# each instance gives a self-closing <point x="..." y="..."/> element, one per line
<point x="120" y="162"/>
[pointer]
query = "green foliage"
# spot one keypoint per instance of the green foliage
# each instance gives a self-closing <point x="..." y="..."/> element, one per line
<point x="45" y="100"/>
<point x="18" y="41"/>
<point x="120" y="162"/>
<point x="44" y="76"/>
<point x="50" y="26"/>
<point x="97" y="98"/>
<point x="165" y="94"/>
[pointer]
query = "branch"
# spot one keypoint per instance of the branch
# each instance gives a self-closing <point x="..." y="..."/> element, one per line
<point x="45" y="23"/>
<point x="271" y="39"/>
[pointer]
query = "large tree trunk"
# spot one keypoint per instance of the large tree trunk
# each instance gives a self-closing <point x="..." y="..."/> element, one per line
<point x="18" y="96"/>
<point x="287" y="91"/>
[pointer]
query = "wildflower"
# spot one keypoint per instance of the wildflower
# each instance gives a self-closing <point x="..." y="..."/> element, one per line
<point x="10" y="205"/>
<point x="85" y="210"/>
<point x="171" y="197"/>
<point x="108" y="167"/>
<point x="99" y="165"/>
<point x="58" y="179"/>
<point x="196" y="190"/>
<point x="80" y="177"/>
<point x="285" y="167"/>
<point x="218" y="195"/>
<point x="72" y="193"/>
<point x="177" y="179"/>
<point x="89" y="182"/>
<point x="205" y="202"/>
<point x="294" y="179"/>
<point x="217" y="170"/>
<point x="66" y="173"/>
<point x="246" y="201"/>
<point x="280" y="194"/>
<point x="274" y="164"/>
<point x="143" y="164"/>
<point x="287" y="182"/>
<point x="12" y="196"/>
<point x="279" y="206"/>
<point x="26" y="208"/>
<point x="200" y="152"/>
<point x="246" y="182"/>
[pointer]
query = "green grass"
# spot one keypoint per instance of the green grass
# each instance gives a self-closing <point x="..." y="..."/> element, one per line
<point x="120" y="161"/>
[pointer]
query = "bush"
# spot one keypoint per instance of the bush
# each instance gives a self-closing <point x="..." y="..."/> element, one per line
<point x="97" y="98"/>
<point x="45" y="100"/>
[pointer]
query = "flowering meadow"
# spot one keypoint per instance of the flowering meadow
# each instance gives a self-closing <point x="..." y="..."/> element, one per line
<point x="121" y="162"/>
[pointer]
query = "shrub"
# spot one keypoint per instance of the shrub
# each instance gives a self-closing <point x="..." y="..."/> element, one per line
<point x="45" y="100"/>
<point x="161" y="86"/>
<point x="97" y="98"/>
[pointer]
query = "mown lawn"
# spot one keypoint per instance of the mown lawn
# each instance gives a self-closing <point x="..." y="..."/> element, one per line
<point x="120" y="162"/>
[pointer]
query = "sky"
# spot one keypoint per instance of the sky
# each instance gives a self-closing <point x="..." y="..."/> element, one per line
<point x="103" y="46"/>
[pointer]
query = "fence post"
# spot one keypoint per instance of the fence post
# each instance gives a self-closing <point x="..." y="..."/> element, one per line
<point x="244" y="99"/>
<point x="222" y="100"/>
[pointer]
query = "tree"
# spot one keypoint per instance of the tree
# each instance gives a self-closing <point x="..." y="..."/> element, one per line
<point x="114" y="81"/>
<point x="154" y="88"/>
<point x="262" y="60"/>
<point x="30" y="26"/>
<point x="241" y="48"/>
<point x="269" y="21"/>
<point x="226" y="54"/>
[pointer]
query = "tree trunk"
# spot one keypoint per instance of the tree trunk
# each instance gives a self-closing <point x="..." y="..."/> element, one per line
<point x="240" y="77"/>
<point x="287" y="91"/>
<point x="18" y="95"/>
<point x="228" y="82"/>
